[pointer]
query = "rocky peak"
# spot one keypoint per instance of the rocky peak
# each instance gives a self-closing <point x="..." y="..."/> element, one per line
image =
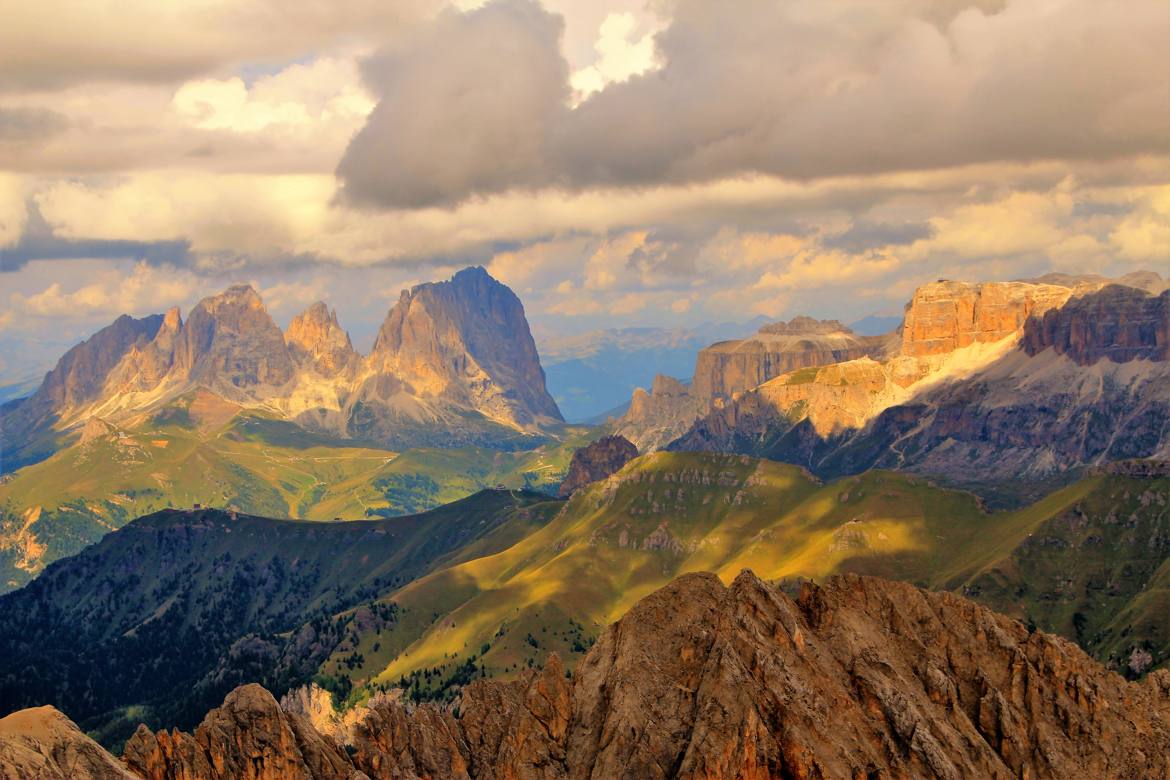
<point x="81" y="373"/>
<point x="229" y="339"/>
<point x="172" y="320"/>
<point x="596" y="461"/>
<point x="42" y="743"/>
<point x="315" y="335"/>
<point x="466" y="340"/>
<point x="1117" y="322"/>
<point x="944" y="316"/>
<point x="249" y="736"/>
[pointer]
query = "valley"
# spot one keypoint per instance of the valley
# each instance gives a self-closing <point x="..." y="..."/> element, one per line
<point x="519" y="575"/>
<point x="201" y="450"/>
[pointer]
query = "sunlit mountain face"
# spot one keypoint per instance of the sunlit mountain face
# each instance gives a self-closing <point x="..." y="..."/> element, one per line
<point x="550" y="389"/>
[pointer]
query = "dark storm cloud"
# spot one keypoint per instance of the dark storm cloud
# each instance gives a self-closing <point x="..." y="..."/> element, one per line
<point x="15" y="257"/>
<point x="468" y="107"/>
<point x="25" y="125"/>
<point x="38" y="242"/>
<point x="863" y="235"/>
<point x="801" y="90"/>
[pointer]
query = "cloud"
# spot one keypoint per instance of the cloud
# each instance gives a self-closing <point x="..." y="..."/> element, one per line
<point x="783" y="88"/>
<point x="297" y="119"/>
<point x="58" y="43"/>
<point x="13" y="210"/>
<point x="327" y="89"/>
<point x="20" y="126"/>
<point x="1143" y="236"/>
<point x="144" y="288"/>
<point x="622" y="53"/>
<point x="458" y="113"/>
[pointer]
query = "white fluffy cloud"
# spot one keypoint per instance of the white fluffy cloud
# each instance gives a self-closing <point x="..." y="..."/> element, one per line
<point x="111" y="293"/>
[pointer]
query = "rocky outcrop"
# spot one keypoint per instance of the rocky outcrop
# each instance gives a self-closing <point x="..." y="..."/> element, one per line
<point x="725" y="370"/>
<point x="316" y="338"/>
<point x="1117" y="323"/>
<point x="42" y="743"/>
<point x="466" y="341"/>
<point x="945" y="316"/>
<point x="80" y="375"/>
<point x="231" y="339"/>
<point x="859" y="677"/>
<point x="250" y="738"/>
<point x="657" y="417"/>
<point x="728" y="368"/>
<point x="596" y="461"/>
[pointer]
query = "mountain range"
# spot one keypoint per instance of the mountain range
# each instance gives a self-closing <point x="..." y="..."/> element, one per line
<point x="1005" y="388"/>
<point x="454" y="363"/>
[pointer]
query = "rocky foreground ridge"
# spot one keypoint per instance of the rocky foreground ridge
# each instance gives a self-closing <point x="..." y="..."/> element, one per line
<point x="858" y="677"/>
<point x="454" y="363"/>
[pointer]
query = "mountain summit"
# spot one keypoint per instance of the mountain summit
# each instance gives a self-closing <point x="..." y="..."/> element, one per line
<point x="454" y="364"/>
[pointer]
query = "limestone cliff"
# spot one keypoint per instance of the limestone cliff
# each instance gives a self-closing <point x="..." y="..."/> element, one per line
<point x="859" y="677"/>
<point x="728" y="368"/>
<point x="1078" y="384"/>
<point x="945" y="316"/>
<point x="230" y="339"/>
<point x="1117" y="323"/>
<point x="466" y="340"/>
<point x="78" y="380"/>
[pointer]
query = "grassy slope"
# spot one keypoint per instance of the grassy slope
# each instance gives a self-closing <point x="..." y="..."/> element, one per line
<point x="617" y="541"/>
<point x="153" y="610"/>
<point x="208" y="452"/>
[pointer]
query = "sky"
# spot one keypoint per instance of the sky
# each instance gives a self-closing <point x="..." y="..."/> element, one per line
<point x="617" y="163"/>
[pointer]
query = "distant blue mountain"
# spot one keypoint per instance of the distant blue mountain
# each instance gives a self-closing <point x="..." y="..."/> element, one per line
<point x="593" y="373"/>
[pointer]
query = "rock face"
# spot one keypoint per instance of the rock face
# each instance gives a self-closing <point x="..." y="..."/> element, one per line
<point x="1116" y="323"/>
<point x="463" y="343"/>
<point x="249" y="738"/>
<point x="454" y="364"/>
<point x="596" y="462"/>
<point x="78" y="379"/>
<point x="995" y="384"/>
<point x="945" y="316"/>
<point x="860" y="677"/>
<point x="316" y="337"/>
<point x="230" y="338"/>
<point x="726" y="369"/>
<point x="42" y="743"/>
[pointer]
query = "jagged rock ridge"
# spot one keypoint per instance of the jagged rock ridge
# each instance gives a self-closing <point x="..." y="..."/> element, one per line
<point x="455" y="363"/>
<point x="859" y="677"/>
